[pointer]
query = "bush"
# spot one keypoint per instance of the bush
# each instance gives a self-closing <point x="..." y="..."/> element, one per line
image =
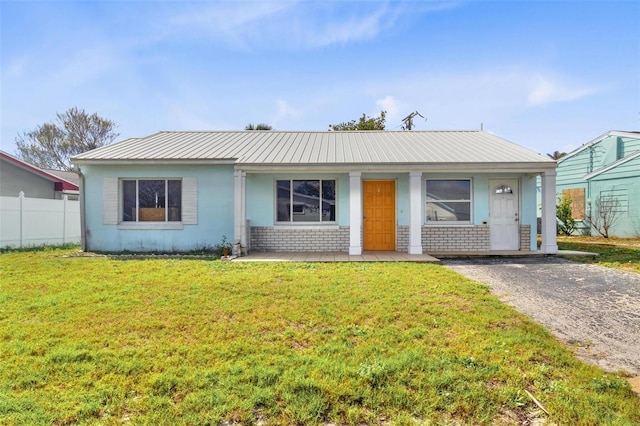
<point x="566" y="224"/>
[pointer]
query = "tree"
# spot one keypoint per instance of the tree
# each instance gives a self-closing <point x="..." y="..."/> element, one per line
<point x="51" y="145"/>
<point x="605" y="215"/>
<point x="556" y="155"/>
<point x="364" y="123"/>
<point x="259" y="126"/>
<point x="566" y="223"/>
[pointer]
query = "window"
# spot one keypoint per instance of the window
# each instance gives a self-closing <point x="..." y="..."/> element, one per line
<point x="310" y="201"/>
<point x="152" y="200"/>
<point x="577" y="202"/>
<point x="449" y="201"/>
<point x="503" y="189"/>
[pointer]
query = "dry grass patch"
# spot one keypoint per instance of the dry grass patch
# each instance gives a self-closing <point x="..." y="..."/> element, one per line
<point x="619" y="253"/>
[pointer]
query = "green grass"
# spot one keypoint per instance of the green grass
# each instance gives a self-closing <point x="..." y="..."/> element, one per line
<point x="93" y="340"/>
<point x="619" y="253"/>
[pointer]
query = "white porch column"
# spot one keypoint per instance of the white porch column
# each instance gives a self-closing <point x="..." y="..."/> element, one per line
<point x="415" y="213"/>
<point x="355" y="213"/>
<point x="239" y="208"/>
<point x="549" y="239"/>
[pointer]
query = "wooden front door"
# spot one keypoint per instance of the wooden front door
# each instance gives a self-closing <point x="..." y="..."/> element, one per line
<point x="379" y="206"/>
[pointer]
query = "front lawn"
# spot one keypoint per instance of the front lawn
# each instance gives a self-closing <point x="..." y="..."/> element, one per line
<point x="93" y="340"/>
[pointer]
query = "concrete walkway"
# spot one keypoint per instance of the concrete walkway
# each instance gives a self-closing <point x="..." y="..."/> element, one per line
<point x="372" y="256"/>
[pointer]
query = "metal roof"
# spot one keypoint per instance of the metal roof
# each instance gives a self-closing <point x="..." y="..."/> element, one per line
<point x="264" y="148"/>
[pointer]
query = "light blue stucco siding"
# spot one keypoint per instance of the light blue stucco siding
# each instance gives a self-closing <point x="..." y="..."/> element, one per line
<point x="215" y="186"/>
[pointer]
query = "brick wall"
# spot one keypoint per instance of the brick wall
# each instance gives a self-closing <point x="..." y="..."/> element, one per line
<point x="525" y="237"/>
<point x="266" y="238"/>
<point x="455" y="238"/>
<point x="402" y="239"/>
<point x="434" y="239"/>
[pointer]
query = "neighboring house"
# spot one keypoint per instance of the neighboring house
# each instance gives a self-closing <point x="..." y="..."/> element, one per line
<point x="415" y="192"/>
<point x="19" y="176"/>
<point x="37" y="207"/>
<point x="604" y="170"/>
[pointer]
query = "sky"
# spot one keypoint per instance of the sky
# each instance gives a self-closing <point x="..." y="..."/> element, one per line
<point x="548" y="75"/>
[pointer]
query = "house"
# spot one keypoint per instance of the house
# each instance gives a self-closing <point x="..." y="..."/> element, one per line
<point x="19" y="176"/>
<point x="415" y="192"/>
<point x="37" y="207"/>
<point x="601" y="175"/>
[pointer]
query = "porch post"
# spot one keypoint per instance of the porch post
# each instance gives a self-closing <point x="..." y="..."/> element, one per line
<point x="549" y="239"/>
<point x="415" y="213"/>
<point x="239" y="208"/>
<point x="355" y="213"/>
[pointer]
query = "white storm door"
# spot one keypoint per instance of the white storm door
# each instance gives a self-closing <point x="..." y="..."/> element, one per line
<point x="504" y="214"/>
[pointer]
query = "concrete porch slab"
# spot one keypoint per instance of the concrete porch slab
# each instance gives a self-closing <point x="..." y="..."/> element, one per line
<point x="368" y="256"/>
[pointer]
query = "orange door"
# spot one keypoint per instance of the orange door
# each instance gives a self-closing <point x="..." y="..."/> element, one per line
<point x="379" y="205"/>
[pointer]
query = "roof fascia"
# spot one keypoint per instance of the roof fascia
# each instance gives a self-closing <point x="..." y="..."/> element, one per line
<point x="612" y="165"/>
<point x="81" y="162"/>
<point x="528" y="168"/>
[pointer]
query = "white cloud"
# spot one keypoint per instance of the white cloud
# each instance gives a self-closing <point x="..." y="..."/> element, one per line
<point x="285" y="112"/>
<point x="389" y="104"/>
<point x="290" y="24"/>
<point x="545" y="90"/>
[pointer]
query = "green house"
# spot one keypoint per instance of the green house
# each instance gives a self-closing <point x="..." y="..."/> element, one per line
<point x="602" y="177"/>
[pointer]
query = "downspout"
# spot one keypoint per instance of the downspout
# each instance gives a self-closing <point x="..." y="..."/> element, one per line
<point x="83" y="238"/>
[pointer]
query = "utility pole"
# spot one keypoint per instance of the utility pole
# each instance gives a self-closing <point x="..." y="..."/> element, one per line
<point x="408" y="120"/>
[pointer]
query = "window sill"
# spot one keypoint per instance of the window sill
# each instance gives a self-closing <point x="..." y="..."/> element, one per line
<point x="307" y="226"/>
<point x="150" y="226"/>
<point x="441" y="224"/>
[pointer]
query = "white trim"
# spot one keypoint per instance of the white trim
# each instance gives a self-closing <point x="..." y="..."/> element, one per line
<point x="189" y="201"/>
<point x="415" y="213"/>
<point x="466" y="168"/>
<point x="123" y="226"/>
<point x="110" y="205"/>
<point x="549" y="237"/>
<point x="355" y="213"/>
<point x="299" y="226"/>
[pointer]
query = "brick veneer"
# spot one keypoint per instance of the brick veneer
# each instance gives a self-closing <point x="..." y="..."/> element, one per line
<point x="455" y="238"/>
<point x="434" y="239"/>
<point x="266" y="238"/>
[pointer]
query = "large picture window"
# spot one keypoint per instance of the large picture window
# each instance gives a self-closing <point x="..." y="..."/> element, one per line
<point x="448" y="201"/>
<point x="151" y="200"/>
<point x="310" y="201"/>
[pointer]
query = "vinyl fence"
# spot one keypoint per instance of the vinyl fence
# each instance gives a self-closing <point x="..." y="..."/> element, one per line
<point x="26" y="222"/>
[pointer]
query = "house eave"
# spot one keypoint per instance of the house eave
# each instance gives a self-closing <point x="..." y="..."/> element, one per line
<point x="530" y="168"/>
<point x="164" y="162"/>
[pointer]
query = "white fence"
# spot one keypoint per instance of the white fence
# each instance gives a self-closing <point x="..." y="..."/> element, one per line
<point x="26" y="222"/>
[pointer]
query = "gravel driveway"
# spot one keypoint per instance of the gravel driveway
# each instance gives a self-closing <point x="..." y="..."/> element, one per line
<point x="595" y="310"/>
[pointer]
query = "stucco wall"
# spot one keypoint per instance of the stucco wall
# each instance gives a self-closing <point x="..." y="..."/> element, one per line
<point x="13" y="179"/>
<point x="215" y="209"/>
